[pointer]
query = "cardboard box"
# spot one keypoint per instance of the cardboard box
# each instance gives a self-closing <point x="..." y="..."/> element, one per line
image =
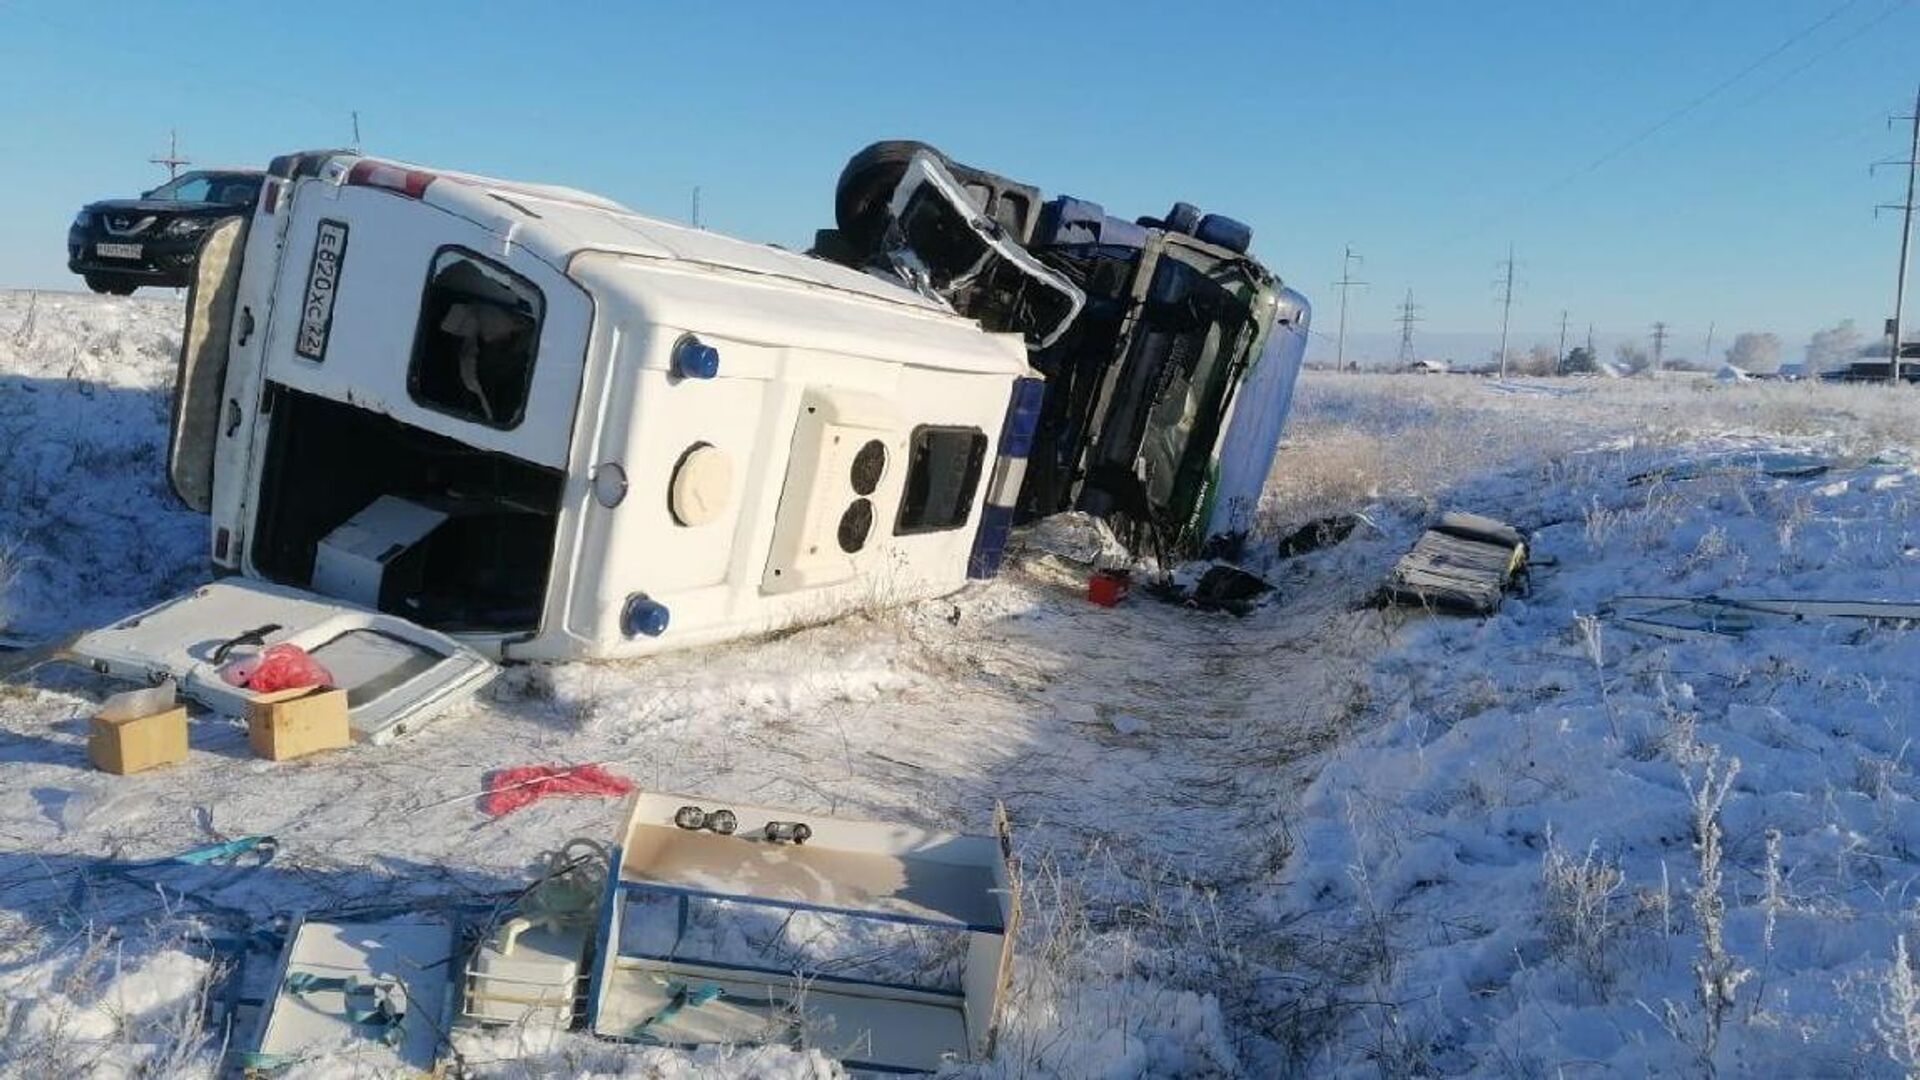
<point x="135" y="744"/>
<point x="294" y="723"/>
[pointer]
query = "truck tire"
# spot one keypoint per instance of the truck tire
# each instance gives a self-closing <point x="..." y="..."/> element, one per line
<point x="111" y="284"/>
<point x="866" y="184"/>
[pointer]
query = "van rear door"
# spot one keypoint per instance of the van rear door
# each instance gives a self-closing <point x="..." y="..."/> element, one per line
<point x="201" y="383"/>
<point x="395" y="673"/>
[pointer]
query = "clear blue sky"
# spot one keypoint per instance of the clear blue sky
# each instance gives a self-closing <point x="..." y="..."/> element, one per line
<point x="1427" y="135"/>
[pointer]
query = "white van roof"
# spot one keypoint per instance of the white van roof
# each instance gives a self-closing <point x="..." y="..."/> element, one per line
<point x="558" y="223"/>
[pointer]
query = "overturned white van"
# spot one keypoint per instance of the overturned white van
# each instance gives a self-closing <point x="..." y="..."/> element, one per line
<point x="534" y="421"/>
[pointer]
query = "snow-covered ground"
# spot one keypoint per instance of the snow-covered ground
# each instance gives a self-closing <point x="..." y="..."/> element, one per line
<point x="1322" y="838"/>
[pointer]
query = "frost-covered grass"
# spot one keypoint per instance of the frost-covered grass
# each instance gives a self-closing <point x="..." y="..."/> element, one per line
<point x="1589" y="849"/>
<point x="1320" y="839"/>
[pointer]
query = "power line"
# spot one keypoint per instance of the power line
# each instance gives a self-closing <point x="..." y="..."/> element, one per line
<point x="1346" y="281"/>
<point x="1514" y="206"/>
<point x="1674" y="115"/>
<point x="1409" y="314"/>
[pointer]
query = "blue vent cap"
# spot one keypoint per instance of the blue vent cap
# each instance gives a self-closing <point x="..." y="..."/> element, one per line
<point x="695" y="359"/>
<point x="644" y="615"/>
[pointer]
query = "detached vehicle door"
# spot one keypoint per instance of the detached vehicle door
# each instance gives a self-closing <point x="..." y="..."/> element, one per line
<point x="395" y="673"/>
<point x="200" y="385"/>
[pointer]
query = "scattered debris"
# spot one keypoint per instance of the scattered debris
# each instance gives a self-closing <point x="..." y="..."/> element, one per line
<point x="1220" y="587"/>
<point x="1681" y="617"/>
<point x="512" y="789"/>
<point x="274" y="669"/>
<point x="383" y="983"/>
<point x="139" y="730"/>
<point x="1077" y="538"/>
<point x="1464" y="563"/>
<point x="1108" y="587"/>
<point x="1314" y="535"/>
<point x="1779" y="464"/>
<point x="655" y="982"/>
<point x="297" y="722"/>
<point x="528" y="969"/>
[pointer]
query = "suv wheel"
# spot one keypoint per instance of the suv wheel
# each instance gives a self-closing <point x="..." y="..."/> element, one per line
<point x="111" y="284"/>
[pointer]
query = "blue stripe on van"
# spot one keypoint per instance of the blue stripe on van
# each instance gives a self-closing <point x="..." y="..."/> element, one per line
<point x="1023" y="417"/>
<point x="990" y="544"/>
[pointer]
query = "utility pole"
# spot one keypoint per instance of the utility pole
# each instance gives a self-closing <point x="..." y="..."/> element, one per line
<point x="1561" y="360"/>
<point x="1659" y="346"/>
<point x="1409" y="314"/>
<point x="356" y="131"/>
<point x="696" y="206"/>
<point x="1347" y="281"/>
<point x="1506" y="308"/>
<point x="1590" y="352"/>
<point x="1706" y="357"/>
<point x="1912" y="162"/>
<point x="173" y="160"/>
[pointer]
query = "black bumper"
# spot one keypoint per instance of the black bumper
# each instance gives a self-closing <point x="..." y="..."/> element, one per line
<point x="161" y="262"/>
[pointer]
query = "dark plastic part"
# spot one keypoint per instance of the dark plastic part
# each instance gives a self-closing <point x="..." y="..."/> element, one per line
<point x="644" y="615"/>
<point x="695" y="359"/>
<point x="1066" y="220"/>
<point x="1223" y="231"/>
<point x="1183" y="218"/>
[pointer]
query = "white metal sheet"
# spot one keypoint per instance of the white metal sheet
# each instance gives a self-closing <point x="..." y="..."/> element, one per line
<point x="394" y="671"/>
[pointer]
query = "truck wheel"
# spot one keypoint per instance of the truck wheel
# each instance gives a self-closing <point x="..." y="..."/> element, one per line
<point x="111" y="285"/>
<point x="867" y="182"/>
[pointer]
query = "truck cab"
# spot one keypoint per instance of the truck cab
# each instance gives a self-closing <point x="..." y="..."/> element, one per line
<point x="1146" y="331"/>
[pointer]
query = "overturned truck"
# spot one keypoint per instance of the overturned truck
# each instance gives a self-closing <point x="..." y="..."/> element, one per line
<point x="1169" y="351"/>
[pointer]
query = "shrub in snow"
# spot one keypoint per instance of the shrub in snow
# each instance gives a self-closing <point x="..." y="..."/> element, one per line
<point x="1898" y="1021"/>
<point x="1581" y="909"/>
<point x="1716" y="972"/>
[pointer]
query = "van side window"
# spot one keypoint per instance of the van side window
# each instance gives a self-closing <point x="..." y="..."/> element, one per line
<point x="479" y="332"/>
<point x="943" y="472"/>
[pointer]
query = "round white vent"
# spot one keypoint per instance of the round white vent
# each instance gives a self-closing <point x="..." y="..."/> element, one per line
<point x="698" y="492"/>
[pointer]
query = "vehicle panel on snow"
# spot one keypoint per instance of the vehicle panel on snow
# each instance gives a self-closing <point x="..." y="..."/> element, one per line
<point x="391" y="669"/>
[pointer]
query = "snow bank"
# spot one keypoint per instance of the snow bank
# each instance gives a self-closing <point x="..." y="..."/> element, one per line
<point x="88" y="527"/>
<point x="1519" y="837"/>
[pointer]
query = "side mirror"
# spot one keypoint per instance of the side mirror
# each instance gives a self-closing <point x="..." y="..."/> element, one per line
<point x="148" y="194"/>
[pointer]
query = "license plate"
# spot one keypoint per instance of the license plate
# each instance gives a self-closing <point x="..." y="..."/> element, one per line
<point x="118" y="251"/>
<point x="323" y="281"/>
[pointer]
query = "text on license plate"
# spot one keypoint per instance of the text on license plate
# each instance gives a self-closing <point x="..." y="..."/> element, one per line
<point x="117" y="251"/>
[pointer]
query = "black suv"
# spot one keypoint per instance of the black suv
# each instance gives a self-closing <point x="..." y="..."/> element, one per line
<point x="119" y="245"/>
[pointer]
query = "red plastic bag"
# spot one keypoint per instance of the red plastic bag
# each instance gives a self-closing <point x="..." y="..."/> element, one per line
<point x="510" y="789"/>
<point x="279" y="667"/>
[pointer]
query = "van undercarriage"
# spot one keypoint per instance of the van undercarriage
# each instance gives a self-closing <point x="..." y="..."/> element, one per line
<point x="483" y="569"/>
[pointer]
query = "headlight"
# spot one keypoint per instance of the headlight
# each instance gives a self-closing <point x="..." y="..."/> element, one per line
<point x="82" y="219"/>
<point x="187" y="227"/>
